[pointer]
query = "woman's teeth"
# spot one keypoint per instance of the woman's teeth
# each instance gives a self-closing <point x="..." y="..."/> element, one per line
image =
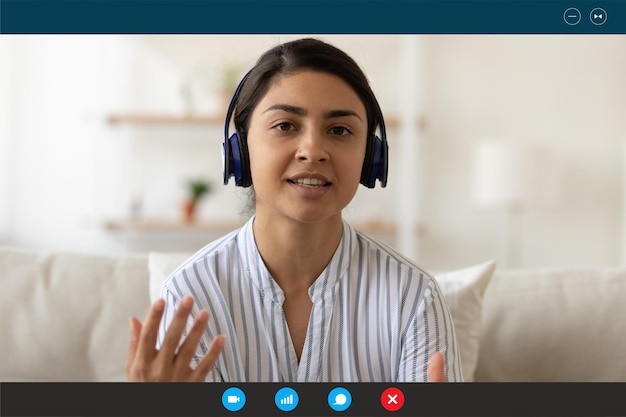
<point x="310" y="182"/>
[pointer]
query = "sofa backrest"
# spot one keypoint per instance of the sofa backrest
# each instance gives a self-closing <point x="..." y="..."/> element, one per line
<point x="558" y="324"/>
<point x="64" y="317"/>
<point x="63" y="313"/>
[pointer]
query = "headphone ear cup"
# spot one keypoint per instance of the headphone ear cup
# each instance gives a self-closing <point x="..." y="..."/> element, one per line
<point x="375" y="165"/>
<point x="227" y="159"/>
<point x="236" y="161"/>
<point x="380" y="164"/>
<point x="367" y="162"/>
<point x="245" y="177"/>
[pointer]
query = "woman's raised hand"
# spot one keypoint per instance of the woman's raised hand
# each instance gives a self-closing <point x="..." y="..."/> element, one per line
<point x="147" y="363"/>
<point x="436" y="372"/>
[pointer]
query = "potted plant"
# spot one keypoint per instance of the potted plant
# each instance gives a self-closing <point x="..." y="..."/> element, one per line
<point x="196" y="190"/>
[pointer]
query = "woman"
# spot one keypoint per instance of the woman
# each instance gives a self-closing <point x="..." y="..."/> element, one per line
<point x="297" y="294"/>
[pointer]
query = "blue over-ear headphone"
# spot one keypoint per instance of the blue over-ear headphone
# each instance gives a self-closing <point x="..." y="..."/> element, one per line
<point x="237" y="161"/>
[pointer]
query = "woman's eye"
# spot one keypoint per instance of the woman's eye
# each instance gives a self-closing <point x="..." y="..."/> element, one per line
<point x="284" y="127"/>
<point x="339" y="131"/>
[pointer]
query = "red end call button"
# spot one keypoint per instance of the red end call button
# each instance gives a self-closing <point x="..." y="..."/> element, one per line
<point x="392" y="399"/>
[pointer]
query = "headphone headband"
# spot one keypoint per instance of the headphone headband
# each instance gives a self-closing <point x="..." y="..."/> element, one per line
<point x="233" y="102"/>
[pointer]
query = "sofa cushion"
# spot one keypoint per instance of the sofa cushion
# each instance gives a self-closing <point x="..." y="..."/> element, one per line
<point x="462" y="288"/>
<point x="64" y="316"/>
<point x="558" y="324"/>
<point x="160" y="266"/>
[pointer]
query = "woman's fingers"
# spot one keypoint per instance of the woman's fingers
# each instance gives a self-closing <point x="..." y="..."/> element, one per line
<point x="188" y="347"/>
<point x="149" y="330"/>
<point x="171" y="362"/>
<point x="171" y="340"/>
<point x="207" y="363"/>
<point x="135" y="330"/>
<point x="141" y="348"/>
<point x="436" y="371"/>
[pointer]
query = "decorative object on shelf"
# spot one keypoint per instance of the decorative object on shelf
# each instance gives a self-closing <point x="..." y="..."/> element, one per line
<point x="136" y="205"/>
<point x="197" y="189"/>
<point x="196" y="91"/>
<point x="230" y="75"/>
<point x="187" y="93"/>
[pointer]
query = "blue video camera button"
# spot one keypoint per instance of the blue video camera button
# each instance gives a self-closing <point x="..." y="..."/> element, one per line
<point x="233" y="399"/>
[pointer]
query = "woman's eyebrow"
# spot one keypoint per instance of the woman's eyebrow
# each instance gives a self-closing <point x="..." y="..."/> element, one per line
<point x="302" y="112"/>
<point x="341" y="113"/>
<point x="288" y="108"/>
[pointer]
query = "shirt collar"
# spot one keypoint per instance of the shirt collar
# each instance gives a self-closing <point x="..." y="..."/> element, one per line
<point x="324" y="286"/>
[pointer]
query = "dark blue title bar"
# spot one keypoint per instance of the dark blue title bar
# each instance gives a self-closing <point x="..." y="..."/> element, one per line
<point x="313" y="16"/>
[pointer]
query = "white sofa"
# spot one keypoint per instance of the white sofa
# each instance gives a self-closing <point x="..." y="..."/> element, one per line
<point x="64" y="317"/>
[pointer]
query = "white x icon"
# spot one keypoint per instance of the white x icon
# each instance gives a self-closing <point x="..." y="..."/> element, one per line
<point x="392" y="398"/>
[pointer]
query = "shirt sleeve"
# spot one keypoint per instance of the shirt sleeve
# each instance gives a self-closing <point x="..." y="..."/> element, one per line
<point x="430" y="330"/>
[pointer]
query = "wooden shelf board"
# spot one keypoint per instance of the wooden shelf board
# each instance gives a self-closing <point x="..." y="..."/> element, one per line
<point x="222" y="226"/>
<point x="156" y="225"/>
<point x="164" y="119"/>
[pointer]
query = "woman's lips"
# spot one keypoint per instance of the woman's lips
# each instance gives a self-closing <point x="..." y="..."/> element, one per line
<point x="310" y="187"/>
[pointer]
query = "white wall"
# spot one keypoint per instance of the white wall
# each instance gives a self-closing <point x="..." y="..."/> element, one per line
<point x="58" y="84"/>
<point x="6" y="98"/>
<point x="64" y="170"/>
<point x="563" y="91"/>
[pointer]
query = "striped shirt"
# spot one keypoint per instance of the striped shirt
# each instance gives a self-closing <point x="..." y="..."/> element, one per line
<point x="376" y="316"/>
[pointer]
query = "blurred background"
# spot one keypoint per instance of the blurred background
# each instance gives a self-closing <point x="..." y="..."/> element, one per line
<point x="510" y="148"/>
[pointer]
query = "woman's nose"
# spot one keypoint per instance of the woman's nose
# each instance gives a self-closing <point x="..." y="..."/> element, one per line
<point x="312" y="148"/>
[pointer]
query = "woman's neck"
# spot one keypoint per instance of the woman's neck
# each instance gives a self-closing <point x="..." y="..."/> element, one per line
<point x="296" y="253"/>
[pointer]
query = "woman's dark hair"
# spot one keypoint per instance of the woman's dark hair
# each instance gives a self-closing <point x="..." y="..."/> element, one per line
<point x="294" y="56"/>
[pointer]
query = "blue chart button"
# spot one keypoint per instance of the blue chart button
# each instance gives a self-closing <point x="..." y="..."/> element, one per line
<point x="233" y="399"/>
<point x="339" y="399"/>
<point x="286" y="399"/>
<point x="572" y="16"/>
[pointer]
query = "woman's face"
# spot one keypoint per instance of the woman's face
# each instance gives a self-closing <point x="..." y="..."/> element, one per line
<point x="307" y="139"/>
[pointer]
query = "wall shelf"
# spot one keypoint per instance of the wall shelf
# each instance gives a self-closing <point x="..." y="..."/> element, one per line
<point x="164" y="225"/>
<point x="164" y="119"/>
<point x="223" y="226"/>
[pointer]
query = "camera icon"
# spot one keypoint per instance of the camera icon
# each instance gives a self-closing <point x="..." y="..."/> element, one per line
<point x="233" y="399"/>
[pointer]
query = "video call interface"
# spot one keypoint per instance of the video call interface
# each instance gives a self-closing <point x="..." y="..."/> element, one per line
<point x="493" y="23"/>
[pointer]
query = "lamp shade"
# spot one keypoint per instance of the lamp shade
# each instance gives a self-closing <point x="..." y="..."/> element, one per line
<point x="513" y="175"/>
